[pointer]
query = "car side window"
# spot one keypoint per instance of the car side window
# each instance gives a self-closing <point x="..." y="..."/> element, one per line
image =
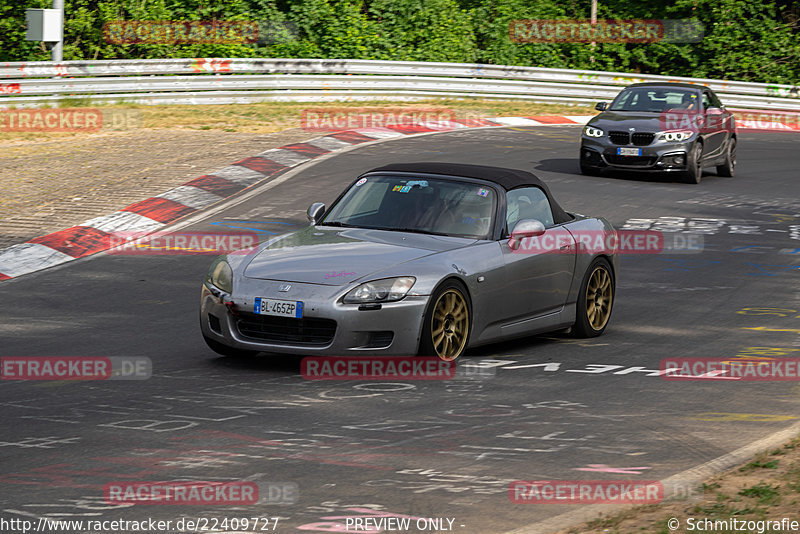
<point x="527" y="203"/>
<point x="706" y="101"/>
<point x="715" y="101"/>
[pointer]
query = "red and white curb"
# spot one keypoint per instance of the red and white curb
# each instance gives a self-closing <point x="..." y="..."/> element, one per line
<point x="95" y="235"/>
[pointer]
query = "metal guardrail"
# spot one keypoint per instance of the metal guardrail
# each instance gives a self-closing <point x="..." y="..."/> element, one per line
<point x="220" y="80"/>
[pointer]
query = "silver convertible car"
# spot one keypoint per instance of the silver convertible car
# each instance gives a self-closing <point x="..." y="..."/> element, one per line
<point x="417" y="258"/>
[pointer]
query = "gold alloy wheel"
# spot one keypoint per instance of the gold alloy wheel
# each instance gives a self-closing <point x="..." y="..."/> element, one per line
<point x="450" y="325"/>
<point x="598" y="298"/>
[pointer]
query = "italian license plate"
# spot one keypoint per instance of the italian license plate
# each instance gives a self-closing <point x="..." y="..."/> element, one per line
<point x="625" y="151"/>
<point x="281" y="308"/>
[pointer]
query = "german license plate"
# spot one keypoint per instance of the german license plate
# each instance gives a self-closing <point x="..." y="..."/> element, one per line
<point x="281" y="308"/>
<point x="625" y="151"/>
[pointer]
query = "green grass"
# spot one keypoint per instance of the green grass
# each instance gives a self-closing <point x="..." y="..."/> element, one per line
<point x="765" y="493"/>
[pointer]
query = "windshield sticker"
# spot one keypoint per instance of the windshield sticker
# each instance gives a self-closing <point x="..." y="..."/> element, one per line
<point x="402" y="188"/>
<point x="483" y="192"/>
<point x="421" y="183"/>
<point x="361" y="182"/>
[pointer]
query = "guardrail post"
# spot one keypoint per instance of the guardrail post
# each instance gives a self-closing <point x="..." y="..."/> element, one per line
<point x="57" y="53"/>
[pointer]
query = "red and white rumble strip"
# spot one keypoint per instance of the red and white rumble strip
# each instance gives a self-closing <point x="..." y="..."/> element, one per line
<point x="150" y="215"/>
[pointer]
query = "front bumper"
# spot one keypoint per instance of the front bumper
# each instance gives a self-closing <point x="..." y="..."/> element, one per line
<point x="392" y="330"/>
<point x="660" y="156"/>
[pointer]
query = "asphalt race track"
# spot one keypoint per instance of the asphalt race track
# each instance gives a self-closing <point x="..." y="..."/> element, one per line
<point x="543" y="408"/>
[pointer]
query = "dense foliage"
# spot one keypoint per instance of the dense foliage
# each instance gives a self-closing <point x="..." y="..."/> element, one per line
<point x="755" y="40"/>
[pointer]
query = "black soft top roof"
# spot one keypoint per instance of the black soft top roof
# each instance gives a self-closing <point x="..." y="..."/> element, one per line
<point x="508" y="179"/>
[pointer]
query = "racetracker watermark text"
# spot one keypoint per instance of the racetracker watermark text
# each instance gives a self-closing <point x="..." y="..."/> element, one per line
<point x="76" y="368"/>
<point x="605" y="31"/>
<point x="376" y="368"/>
<point x="336" y="118"/>
<point x="69" y="120"/>
<point x="182" y="243"/>
<point x="181" y="31"/>
<point x="201" y="493"/>
<point x="784" y="369"/>
<point x="563" y="241"/>
<point x="585" y="491"/>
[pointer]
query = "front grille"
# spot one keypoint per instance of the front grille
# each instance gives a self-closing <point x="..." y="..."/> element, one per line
<point x="619" y="138"/>
<point x="286" y="330"/>
<point x="642" y="138"/>
<point x="638" y="161"/>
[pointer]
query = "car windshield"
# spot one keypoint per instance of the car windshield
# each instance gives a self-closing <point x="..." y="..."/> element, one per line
<point x="409" y="204"/>
<point x="655" y="99"/>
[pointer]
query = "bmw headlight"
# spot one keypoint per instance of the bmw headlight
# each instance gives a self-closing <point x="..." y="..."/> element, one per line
<point x="593" y="132"/>
<point x="676" y="136"/>
<point x="385" y="290"/>
<point x="220" y="275"/>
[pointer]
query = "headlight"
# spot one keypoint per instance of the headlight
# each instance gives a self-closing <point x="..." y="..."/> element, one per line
<point x="385" y="290"/>
<point x="221" y="275"/>
<point x="676" y="136"/>
<point x="593" y="132"/>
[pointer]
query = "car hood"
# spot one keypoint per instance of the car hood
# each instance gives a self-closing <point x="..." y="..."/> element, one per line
<point x="623" y="120"/>
<point x="339" y="256"/>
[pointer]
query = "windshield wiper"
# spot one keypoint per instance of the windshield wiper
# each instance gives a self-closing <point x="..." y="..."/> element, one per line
<point x="411" y="230"/>
<point x="338" y="224"/>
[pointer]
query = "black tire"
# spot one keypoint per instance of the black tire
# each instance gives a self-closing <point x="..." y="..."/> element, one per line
<point x="455" y="324"/>
<point x="694" y="167"/>
<point x="588" y="170"/>
<point x="729" y="167"/>
<point x="585" y="323"/>
<point x="230" y="352"/>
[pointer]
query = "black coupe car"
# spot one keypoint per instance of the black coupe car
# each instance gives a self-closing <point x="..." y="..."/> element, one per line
<point x="665" y="127"/>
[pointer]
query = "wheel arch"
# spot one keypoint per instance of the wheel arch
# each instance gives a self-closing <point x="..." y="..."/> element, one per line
<point x="449" y="277"/>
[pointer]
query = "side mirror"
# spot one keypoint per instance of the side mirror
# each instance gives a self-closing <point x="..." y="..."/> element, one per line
<point x="601" y="106"/>
<point x="525" y="228"/>
<point x="315" y="211"/>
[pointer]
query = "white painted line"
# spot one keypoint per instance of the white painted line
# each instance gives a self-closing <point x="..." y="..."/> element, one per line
<point x="379" y="133"/>
<point x="123" y="221"/>
<point x="240" y="175"/>
<point x="328" y="143"/>
<point x="515" y="121"/>
<point x="26" y="258"/>
<point x="191" y="196"/>
<point x="284" y="157"/>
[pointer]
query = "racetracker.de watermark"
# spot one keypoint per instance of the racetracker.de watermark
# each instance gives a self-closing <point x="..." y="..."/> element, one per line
<point x="182" y="243"/>
<point x="343" y="118"/>
<point x="766" y="120"/>
<point x="606" y="31"/>
<point x="180" y="31"/>
<point x="201" y="493"/>
<point x="127" y="32"/>
<point x="69" y="120"/>
<point x="768" y="370"/>
<point x="376" y="368"/>
<point x="75" y="368"/>
<point x="563" y="241"/>
<point x="585" y="491"/>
